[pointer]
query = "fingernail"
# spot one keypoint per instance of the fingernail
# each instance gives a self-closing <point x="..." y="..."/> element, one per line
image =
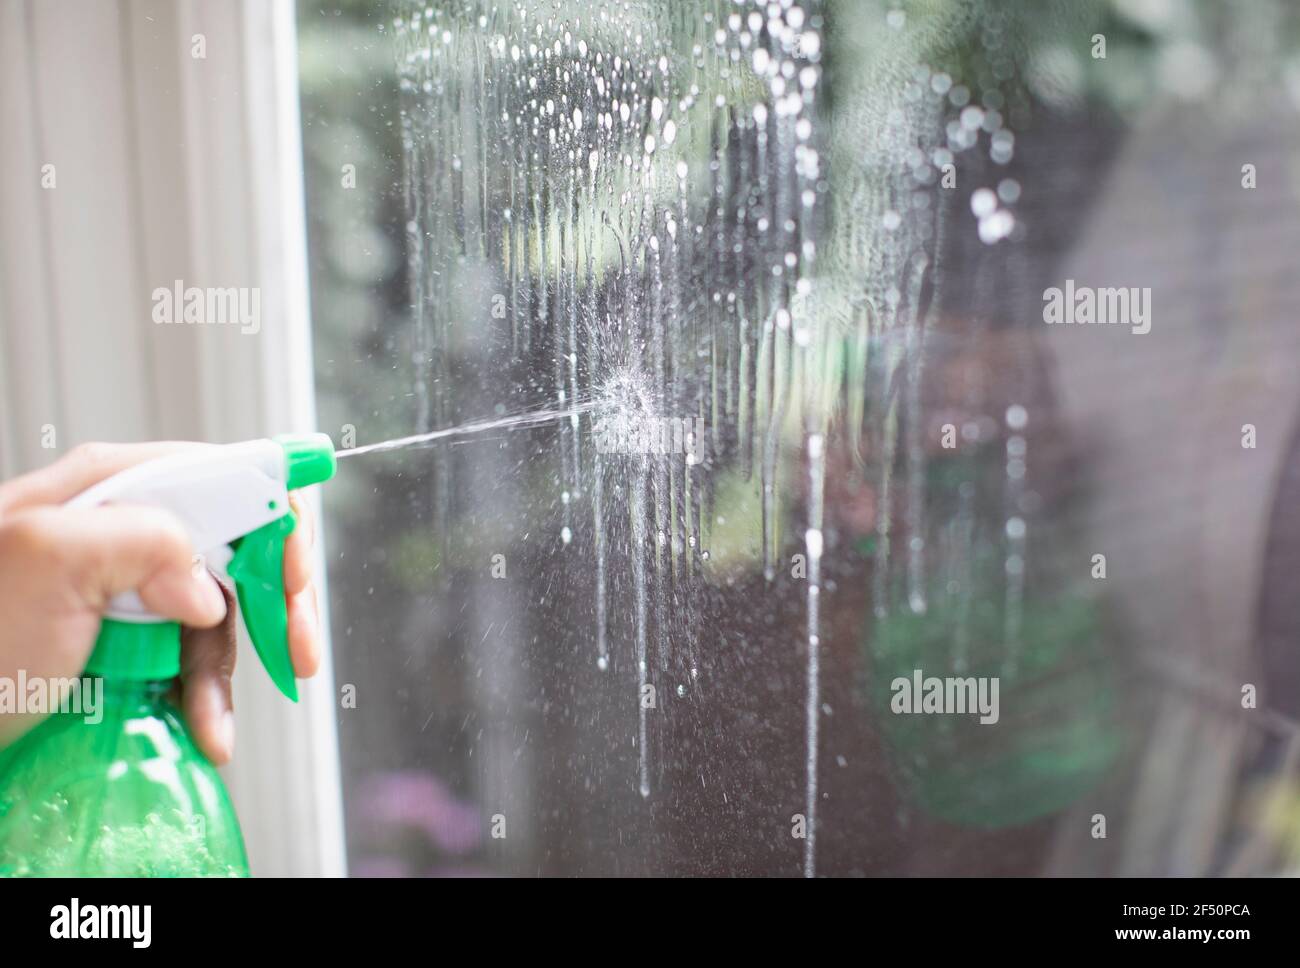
<point x="307" y="618"/>
<point x="228" y="733"/>
<point x="213" y="600"/>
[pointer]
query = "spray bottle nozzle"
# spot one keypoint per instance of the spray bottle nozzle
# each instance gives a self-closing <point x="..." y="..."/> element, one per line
<point x="234" y="503"/>
<point x="308" y="458"/>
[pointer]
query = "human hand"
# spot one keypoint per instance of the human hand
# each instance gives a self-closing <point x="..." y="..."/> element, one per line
<point x="59" y="567"/>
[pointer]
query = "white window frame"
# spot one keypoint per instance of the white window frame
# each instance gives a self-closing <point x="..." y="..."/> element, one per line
<point x="168" y="166"/>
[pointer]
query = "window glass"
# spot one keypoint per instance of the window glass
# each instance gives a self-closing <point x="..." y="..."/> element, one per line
<point x="876" y="426"/>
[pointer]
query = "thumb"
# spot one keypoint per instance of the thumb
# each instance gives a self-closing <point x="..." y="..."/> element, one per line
<point x="113" y="549"/>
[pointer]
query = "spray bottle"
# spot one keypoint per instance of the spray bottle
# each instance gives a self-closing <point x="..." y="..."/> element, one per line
<point x="128" y="793"/>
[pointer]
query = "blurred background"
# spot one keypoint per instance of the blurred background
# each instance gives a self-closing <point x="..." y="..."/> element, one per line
<point x="786" y="261"/>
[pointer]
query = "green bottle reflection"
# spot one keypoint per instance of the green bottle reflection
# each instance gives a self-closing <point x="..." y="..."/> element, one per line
<point x="1057" y="730"/>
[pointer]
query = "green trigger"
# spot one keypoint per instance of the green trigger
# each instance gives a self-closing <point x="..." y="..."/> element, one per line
<point x="257" y="570"/>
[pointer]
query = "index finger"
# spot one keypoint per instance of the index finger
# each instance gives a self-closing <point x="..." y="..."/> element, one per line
<point x="298" y="547"/>
<point x="81" y="467"/>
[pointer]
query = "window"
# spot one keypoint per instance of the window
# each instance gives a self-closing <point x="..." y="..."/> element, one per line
<point x="908" y="418"/>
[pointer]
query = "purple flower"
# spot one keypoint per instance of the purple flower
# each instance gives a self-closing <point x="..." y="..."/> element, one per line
<point x="420" y="801"/>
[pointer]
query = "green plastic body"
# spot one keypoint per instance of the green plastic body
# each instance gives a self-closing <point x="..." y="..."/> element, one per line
<point x="128" y="796"/>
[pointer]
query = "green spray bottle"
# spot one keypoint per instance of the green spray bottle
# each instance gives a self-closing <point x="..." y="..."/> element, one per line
<point x="126" y="792"/>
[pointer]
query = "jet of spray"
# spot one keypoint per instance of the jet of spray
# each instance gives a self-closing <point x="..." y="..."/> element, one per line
<point x="519" y="421"/>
